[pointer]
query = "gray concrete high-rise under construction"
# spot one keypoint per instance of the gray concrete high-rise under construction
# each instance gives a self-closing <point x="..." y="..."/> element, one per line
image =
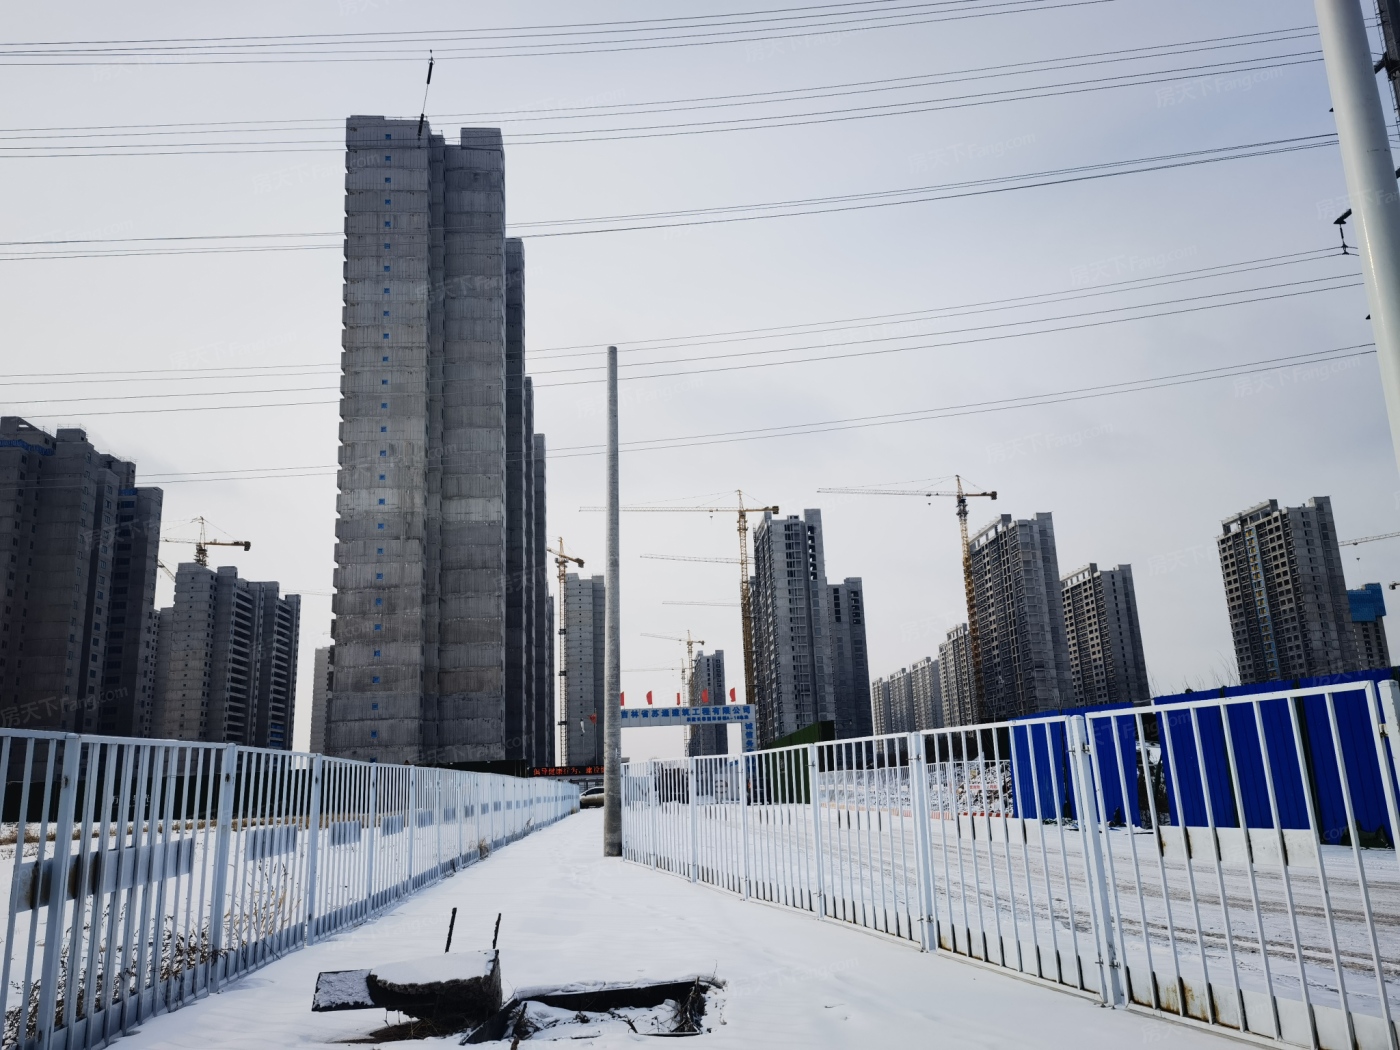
<point x="77" y="624"/>
<point x="441" y="587"/>
<point x="707" y="687"/>
<point x="227" y="660"/>
<point x="1286" y="595"/>
<point x="1106" y="661"/>
<point x="1020" y="618"/>
<point x="795" y="687"/>
<point x="850" y="663"/>
<point x="955" y="679"/>
<point x="581" y="677"/>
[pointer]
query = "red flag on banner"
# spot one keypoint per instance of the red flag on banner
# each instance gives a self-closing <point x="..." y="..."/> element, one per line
<point x="704" y="696"/>
<point x="678" y="699"/>
<point x="648" y="697"/>
<point x="622" y="699"/>
<point x="731" y="697"/>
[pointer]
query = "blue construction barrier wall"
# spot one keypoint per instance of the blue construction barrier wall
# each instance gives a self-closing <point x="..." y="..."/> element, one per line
<point x="1041" y="778"/>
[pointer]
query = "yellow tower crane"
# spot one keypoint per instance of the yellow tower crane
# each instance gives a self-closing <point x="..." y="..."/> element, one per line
<point x="745" y="599"/>
<point x="562" y="561"/>
<point x="202" y="545"/>
<point x="973" y="639"/>
<point x="688" y="671"/>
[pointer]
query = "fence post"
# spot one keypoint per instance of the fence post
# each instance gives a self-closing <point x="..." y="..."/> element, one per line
<point x="694" y="827"/>
<point x="1090" y="828"/>
<point x="313" y="849"/>
<point x="744" y="816"/>
<point x="654" y="791"/>
<point x="812" y="791"/>
<point x="54" y="941"/>
<point x="412" y="820"/>
<point x="918" y="800"/>
<point x="1389" y="692"/>
<point x="370" y="835"/>
<point x="223" y="835"/>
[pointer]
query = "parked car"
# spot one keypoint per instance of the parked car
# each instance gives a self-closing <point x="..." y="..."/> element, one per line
<point x="591" y="798"/>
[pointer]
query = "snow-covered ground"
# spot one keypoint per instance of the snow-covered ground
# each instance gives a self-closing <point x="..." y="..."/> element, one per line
<point x="570" y="915"/>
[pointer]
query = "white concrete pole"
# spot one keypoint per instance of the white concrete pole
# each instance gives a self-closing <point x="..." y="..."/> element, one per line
<point x="1371" y="184"/>
<point x="612" y="650"/>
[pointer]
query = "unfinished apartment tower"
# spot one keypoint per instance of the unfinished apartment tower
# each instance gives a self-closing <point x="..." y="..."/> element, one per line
<point x="438" y="594"/>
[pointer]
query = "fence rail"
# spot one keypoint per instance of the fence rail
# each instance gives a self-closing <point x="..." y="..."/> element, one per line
<point x="1227" y="861"/>
<point x="144" y="874"/>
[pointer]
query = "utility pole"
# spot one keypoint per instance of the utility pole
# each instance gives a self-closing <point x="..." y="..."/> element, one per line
<point x="1371" y="183"/>
<point x="561" y="707"/>
<point x="612" y="650"/>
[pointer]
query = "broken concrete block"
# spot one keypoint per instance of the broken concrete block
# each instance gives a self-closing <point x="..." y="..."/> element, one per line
<point x="342" y="990"/>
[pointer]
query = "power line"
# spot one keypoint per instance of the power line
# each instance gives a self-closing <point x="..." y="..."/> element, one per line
<point x="706" y="216"/>
<point x="1298" y="288"/>
<point x="593" y="111"/>
<point x="939" y="412"/>
<point x="761" y="122"/>
<point x="976" y="407"/>
<point x="156" y="57"/>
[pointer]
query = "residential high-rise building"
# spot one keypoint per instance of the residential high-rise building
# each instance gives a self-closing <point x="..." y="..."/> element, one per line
<point x="955" y="681"/>
<point x="850" y="666"/>
<point x="439" y="593"/>
<point x="581" y="677"/>
<point x="323" y="681"/>
<point x="228" y="660"/>
<point x="77" y="625"/>
<point x="1020" y="621"/>
<point x="1105" y="642"/>
<point x="927" y="690"/>
<point x="908" y="700"/>
<point x="795" y="686"/>
<point x="893" y="703"/>
<point x="1368" y="626"/>
<point x="707" y="687"/>
<point x="1285" y="591"/>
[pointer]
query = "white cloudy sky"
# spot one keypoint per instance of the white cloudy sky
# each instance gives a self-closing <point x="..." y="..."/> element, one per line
<point x="1142" y="477"/>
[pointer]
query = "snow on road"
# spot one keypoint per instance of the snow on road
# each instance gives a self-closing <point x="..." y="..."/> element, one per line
<point x="570" y="915"/>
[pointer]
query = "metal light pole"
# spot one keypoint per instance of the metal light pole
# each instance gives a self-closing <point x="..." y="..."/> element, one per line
<point x="1371" y="184"/>
<point x="612" y="650"/>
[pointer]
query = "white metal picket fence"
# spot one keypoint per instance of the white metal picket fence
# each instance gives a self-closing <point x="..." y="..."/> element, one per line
<point x="144" y="874"/>
<point x="1224" y="861"/>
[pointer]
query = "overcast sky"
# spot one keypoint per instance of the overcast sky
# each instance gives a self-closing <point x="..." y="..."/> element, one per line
<point x="1143" y="478"/>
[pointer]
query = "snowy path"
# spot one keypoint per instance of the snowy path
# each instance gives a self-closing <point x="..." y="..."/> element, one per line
<point x="571" y="915"/>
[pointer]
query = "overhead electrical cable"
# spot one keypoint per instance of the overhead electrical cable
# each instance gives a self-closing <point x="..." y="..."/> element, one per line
<point x="411" y="50"/>
<point x="595" y="110"/>
<point x="705" y="216"/>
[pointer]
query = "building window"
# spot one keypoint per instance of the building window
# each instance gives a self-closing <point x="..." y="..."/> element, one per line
<point x="379" y="627"/>
<point x="374" y="707"/>
<point x="376" y="654"/>
<point x="383" y="451"/>
<point x="387" y="136"/>
<point x="379" y="601"/>
<point x="386" y="243"/>
<point x="384" y="359"/>
<point x="380" y="525"/>
<point x="381" y="501"/>
<point x="384" y="430"/>
<point x="378" y="576"/>
<point x="386" y="335"/>
<point x="386" y="269"/>
<point x="383" y="404"/>
<point x="380" y="550"/>
<point x="387" y="158"/>
<point x="381" y="477"/>
<point x="388" y="201"/>
<point x="384" y="382"/>
<point x="374" y="734"/>
<point x="386" y="313"/>
<point x="375" y="679"/>
<point x="388" y="180"/>
<point x="387" y="223"/>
